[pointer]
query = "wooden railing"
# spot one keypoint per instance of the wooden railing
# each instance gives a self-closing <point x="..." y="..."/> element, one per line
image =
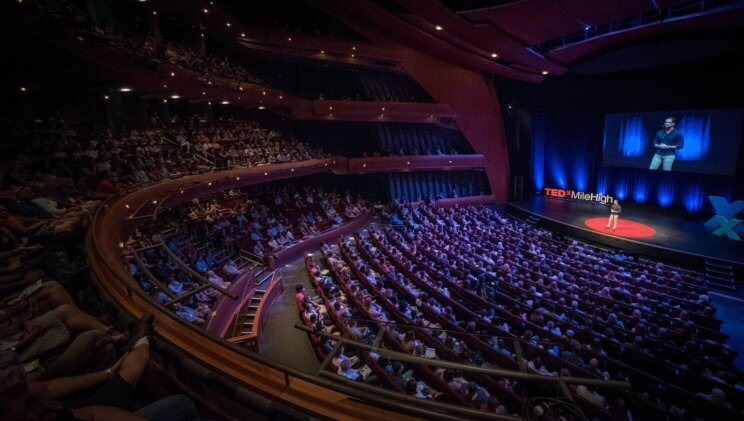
<point x="254" y="340"/>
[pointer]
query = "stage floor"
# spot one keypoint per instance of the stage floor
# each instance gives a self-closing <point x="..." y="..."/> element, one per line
<point x="674" y="232"/>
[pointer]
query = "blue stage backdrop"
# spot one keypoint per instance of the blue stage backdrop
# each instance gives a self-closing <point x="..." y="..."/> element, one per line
<point x="566" y="155"/>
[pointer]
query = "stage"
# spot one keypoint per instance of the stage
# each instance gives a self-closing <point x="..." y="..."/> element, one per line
<point x="659" y="233"/>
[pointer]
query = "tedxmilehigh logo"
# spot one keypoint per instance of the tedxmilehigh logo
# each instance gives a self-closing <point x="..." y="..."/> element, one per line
<point x="578" y="195"/>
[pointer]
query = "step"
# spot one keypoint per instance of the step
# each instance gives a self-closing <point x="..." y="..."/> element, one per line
<point x="719" y="278"/>
<point x="717" y="265"/>
<point x="725" y="272"/>
<point x="730" y="287"/>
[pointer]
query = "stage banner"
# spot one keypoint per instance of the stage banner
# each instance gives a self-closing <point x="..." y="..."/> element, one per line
<point x="578" y="196"/>
<point x="727" y="219"/>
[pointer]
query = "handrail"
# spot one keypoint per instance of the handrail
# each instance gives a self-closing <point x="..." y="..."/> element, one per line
<point x="154" y="279"/>
<point x="100" y="269"/>
<point x="401" y="356"/>
<point x="192" y="272"/>
<point x="290" y="386"/>
<point x="277" y="284"/>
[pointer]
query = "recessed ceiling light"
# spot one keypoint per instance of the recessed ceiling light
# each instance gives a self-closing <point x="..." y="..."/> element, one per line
<point x="125" y="89"/>
<point x="494" y="55"/>
<point x="438" y="27"/>
<point x="544" y="72"/>
<point x="225" y="102"/>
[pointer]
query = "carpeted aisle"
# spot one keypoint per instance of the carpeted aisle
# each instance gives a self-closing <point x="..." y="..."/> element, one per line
<point x="282" y="342"/>
<point x="625" y="228"/>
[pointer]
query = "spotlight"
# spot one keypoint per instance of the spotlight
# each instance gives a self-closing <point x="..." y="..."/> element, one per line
<point x="544" y="72"/>
<point x="438" y="28"/>
<point x="494" y="55"/>
<point x="125" y="89"/>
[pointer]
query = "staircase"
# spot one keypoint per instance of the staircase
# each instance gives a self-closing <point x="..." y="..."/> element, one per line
<point x="249" y="313"/>
<point x="719" y="275"/>
<point x="532" y="220"/>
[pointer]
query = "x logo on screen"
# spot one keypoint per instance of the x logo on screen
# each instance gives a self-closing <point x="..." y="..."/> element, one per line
<point x="725" y="219"/>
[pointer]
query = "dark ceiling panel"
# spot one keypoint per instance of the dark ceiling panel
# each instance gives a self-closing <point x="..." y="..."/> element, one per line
<point x="531" y="21"/>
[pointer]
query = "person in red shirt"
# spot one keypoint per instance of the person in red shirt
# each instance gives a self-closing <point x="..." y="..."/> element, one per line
<point x="300" y="297"/>
<point x="106" y="185"/>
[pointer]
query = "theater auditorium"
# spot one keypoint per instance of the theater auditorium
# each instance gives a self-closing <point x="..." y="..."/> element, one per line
<point x="372" y="210"/>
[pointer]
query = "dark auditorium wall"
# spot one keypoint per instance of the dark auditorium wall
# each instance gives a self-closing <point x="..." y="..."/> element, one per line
<point x="555" y="130"/>
<point x="476" y="103"/>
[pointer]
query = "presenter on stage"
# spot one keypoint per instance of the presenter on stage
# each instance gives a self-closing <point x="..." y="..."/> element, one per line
<point x="614" y="215"/>
<point x="667" y="141"/>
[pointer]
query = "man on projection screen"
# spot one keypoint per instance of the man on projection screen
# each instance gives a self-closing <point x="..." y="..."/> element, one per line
<point x="667" y="141"/>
